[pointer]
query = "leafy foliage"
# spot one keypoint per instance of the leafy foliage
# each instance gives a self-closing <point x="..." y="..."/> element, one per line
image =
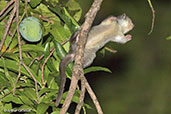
<point x="59" y="21"/>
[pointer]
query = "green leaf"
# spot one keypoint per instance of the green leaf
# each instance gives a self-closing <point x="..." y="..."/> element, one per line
<point x="13" y="66"/>
<point x="27" y="109"/>
<point x="11" y="98"/>
<point x="96" y="68"/>
<point x="46" y="73"/>
<point x="30" y="93"/>
<point x="46" y="90"/>
<point x="75" y="98"/>
<point x="87" y="106"/>
<point x="25" y="99"/>
<point x="59" y="32"/>
<point x="49" y="96"/>
<point x="2" y="107"/>
<point x="27" y="82"/>
<point x="169" y="38"/>
<point x="51" y="81"/>
<point x="8" y="106"/>
<point x="11" y="56"/>
<point x="102" y="51"/>
<point x="55" y="112"/>
<point x="61" y="53"/>
<point x="49" y="18"/>
<point x="3" y="4"/>
<point x="41" y="109"/>
<point x="30" y="47"/>
<point x="3" y="80"/>
<point x="62" y="13"/>
<point x="13" y="43"/>
<point x="34" y="3"/>
<point x="72" y="5"/>
<point x="49" y="62"/>
<point x="10" y="79"/>
<point x="2" y="24"/>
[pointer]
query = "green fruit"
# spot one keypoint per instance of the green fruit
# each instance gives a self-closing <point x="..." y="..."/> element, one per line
<point x="30" y="29"/>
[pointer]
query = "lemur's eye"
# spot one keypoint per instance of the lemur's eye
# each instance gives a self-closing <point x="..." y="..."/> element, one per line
<point x="117" y="21"/>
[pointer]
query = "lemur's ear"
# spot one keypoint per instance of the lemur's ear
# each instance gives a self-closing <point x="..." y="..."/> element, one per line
<point x="123" y="16"/>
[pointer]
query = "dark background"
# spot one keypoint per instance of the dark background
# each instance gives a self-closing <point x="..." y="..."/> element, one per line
<point x="140" y="82"/>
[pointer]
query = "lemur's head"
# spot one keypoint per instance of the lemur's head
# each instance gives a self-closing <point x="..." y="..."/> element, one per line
<point x="125" y="23"/>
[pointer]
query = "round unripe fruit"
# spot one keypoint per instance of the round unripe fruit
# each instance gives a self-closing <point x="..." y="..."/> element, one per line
<point x="30" y="29"/>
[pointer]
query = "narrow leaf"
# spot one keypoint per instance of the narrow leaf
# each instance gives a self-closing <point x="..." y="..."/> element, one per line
<point x="3" y="81"/>
<point x="62" y="13"/>
<point x="59" y="32"/>
<point x="25" y="100"/>
<point x="49" y="62"/>
<point x="41" y="109"/>
<point x="169" y="38"/>
<point x="34" y="3"/>
<point x="11" y="98"/>
<point x="61" y="53"/>
<point x="29" y="47"/>
<point x="30" y="93"/>
<point x="13" y="66"/>
<point x="96" y="68"/>
<point x="11" y="80"/>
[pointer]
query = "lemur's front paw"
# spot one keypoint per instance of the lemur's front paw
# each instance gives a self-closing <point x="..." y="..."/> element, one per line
<point x="128" y="37"/>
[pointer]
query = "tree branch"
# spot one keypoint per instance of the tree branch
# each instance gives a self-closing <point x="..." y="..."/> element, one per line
<point x="7" y="28"/>
<point x="42" y="76"/>
<point x="82" y="37"/>
<point x="16" y="7"/>
<point x="6" y="7"/>
<point x="92" y="95"/>
<point x="82" y="95"/>
<point x="19" y="44"/>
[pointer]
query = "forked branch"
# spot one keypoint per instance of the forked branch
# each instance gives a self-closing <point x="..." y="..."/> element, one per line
<point x="78" y="70"/>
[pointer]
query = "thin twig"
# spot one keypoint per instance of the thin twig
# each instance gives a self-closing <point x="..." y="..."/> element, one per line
<point x="46" y="18"/>
<point x="64" y="42"/>
<point x="6" y="7"/>
<point x="43" y="82"/>
<point x="92" y="95"/>
<point x="52" y="49"/>
<point x="11" y="39"/>
<point x="19" y="44"/>
<point x="20" y="54"/>
<point x="39" y="58"/>
<point x="26" y="5"/>
<point x="5" y="13"/>
<point x="6" y="48"/>
<point x="35" y="82"/>
<point x="7" y="28"/>
<point x="153" y="17"/>
<point x="6" y="94"/>
<point x="81" y="99"/>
